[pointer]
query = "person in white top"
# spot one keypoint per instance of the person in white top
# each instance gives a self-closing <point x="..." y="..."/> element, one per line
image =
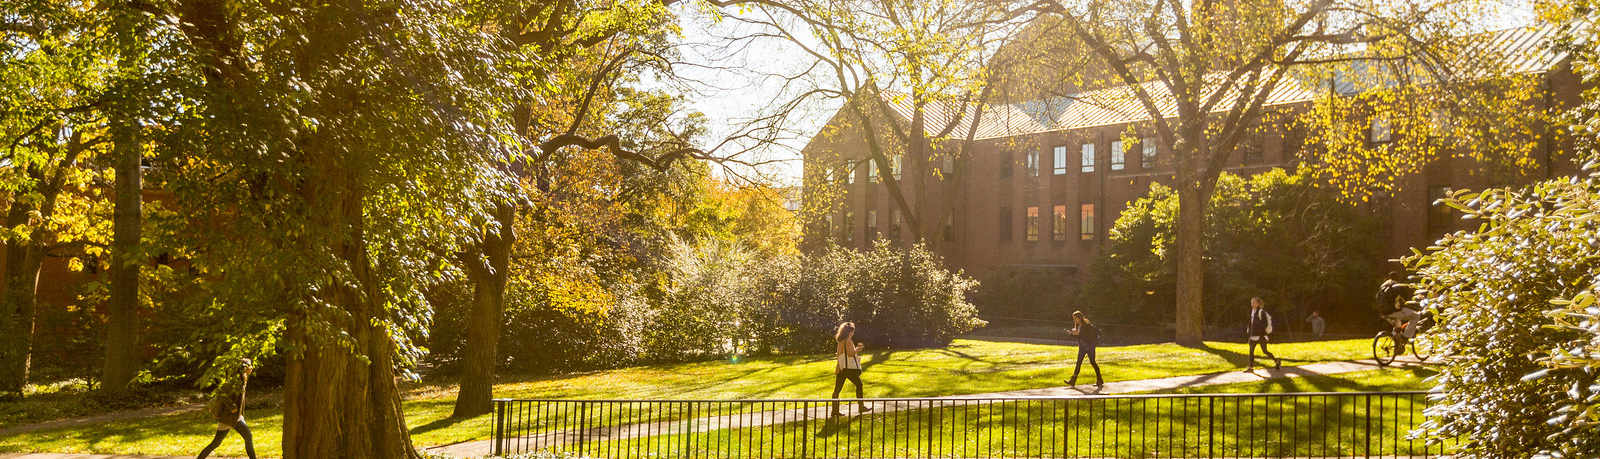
<point x="847" y="365"/>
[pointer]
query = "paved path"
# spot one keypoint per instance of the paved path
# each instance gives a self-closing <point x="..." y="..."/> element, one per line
<point x="85" y="456"/>
<point x="704" y="424"/>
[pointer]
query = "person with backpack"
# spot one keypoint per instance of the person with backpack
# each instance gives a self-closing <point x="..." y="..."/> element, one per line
<point x="227" y="408"/>
<point x="1393" y="297"/>
<point x="1088" y="339"/>
<point x="1260" y="328"/>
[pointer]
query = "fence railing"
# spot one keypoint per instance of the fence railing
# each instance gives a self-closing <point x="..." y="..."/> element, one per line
<point x="1330" y="424"/>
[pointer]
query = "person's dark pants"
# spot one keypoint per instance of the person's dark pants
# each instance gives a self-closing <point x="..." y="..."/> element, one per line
<point x="1263" y="343"/>
<point x="1086" y="351"/>
<point x="244" y="432"/>
<point x="854" y="376"/>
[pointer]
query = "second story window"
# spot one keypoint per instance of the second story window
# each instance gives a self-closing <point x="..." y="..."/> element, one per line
<point x="1061" y="160"/>
<point x="872" y="224"/>
<point x="1149" y="146"/>
<point x="1005" y="164"/>
<point x="1086" y="222"/>
<point x="849" y="174"/>
<point x="827" y="225"/>
<point x="1087" y="156"/>
<point x="849" y="226"/>
<point x="1033" y="163"/>
<point x="1118" y="157"/>
<point x="947" y="166"/>
<point x="894" y="224"/>
<point x="1058" y="224"/>
<point x="894" y="166"/>
<point x="1380" y="129"/>
<point x="1032" y="224"/>
<point x="872" y="171"/>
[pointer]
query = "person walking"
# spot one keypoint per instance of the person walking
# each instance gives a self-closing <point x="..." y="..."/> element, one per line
<point x="227" y="408"/>
<point x="1317" y="324"/>
<point x="1260" y="327"/>
<point x="1088" y="339"/>
<point x="847" y="355"/>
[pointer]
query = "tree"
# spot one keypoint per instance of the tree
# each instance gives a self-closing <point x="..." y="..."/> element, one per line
<point x="1274" y="235"/>
<point x="56" y="76"/>
<point x="332" y="150"/>
<point x="1204" y="72"/>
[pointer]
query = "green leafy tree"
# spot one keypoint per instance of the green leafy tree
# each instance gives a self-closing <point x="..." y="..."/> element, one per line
<point x="1515" y="299"/>
<point x="1275" y="235"/>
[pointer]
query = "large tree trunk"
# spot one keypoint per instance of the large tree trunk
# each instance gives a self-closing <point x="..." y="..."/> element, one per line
<point x="488" y="271"/>
<point x="17" y="304"/>
<point x="1190" y="316"/>
<point x="122" y="311"/>
<point x="340" y="394"/>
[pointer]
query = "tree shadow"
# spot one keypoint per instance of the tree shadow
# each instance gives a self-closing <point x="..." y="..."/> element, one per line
<point x="441" y="424"/>
<point x="1233" y="358"/>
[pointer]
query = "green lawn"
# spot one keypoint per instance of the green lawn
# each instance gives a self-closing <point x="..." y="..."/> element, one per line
<point x="965" y="367"/>
<point x="1316" y="426"/>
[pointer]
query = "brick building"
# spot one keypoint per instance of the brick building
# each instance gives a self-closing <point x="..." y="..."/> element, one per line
<point x="1045" y="179"/>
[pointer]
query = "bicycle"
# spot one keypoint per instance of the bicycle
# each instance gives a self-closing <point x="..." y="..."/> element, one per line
<point x="1389" y="344"/>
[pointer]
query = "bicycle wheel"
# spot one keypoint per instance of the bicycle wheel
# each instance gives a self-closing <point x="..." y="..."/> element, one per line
<point x="1421" y="349"/>
<point x="1384" y="349"/>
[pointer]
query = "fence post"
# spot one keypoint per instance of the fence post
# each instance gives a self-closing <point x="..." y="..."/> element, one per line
<point x="688" y="428"/>
<point x="1368" y="421"/>
<point x="805" y="434"/>
<point x="499" y="426"/>
<point x="1211" y="427"/>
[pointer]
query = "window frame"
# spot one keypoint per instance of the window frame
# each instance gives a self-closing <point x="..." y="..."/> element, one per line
<point x="1030" y="225"/>
<point x="1086" y="158"/>
<point x="1086" y="222"/>
<point x="1118" y="156"/>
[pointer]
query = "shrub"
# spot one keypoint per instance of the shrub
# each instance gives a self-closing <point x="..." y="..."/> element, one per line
<point x="897" y="298"/>
<point x="1514" y="303"/>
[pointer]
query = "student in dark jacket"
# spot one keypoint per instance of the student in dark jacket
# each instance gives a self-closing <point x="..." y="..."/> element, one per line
<point x="1260" y="327"/>
<point x="227" y="408"/>
<point x="1088" y="339"/>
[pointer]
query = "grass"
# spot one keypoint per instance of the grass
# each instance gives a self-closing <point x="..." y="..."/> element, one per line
<point x="1316" y="426"/>
<point x="964" y="367"/>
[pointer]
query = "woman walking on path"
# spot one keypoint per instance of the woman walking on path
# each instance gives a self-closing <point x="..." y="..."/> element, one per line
<point x="1088" y="339"/>
<point x="848" y="366"/>
<point x="227" y="408"/>
<point x="1260" y="327"/>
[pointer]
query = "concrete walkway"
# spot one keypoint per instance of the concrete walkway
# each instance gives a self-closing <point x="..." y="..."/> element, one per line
<point x="704" y="424"/>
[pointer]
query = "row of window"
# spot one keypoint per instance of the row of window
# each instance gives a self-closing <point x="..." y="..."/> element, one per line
<point x="1060" y="228"/>
<point x="1086" y="158"/>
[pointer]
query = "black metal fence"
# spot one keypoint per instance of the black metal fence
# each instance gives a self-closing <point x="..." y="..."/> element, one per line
<point x="1332" y="424"/>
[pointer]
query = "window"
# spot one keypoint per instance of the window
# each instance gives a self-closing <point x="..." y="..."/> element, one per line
<point x="849" y="226"/>
<point x="1086" y="222"/>
<point x="1005" y="223"/>
<point x="1032" y="224"/>
<point x="1441" y="219"/>
<point x="1380" y="129"/>
<point x="947" y="166"/>
<point x="949" y="228"/>
<point x="894" y="166"/>
<point x="1251" y="147"/>
<point x="1061" y="160"/>
<point x="872" y="170"/>
<point x="1058" y="225"/>
<point x="849" y="174"/>
<point x="1005" y="164"/>
<point x="1118" y="158"/>
<point x="872" y="224"/>
<point x="827" y="228"/>
<point x="1149" y="160"/>
<point x="1088" y="157"/>
<point x="894" y="224"/>
<point x="1033" y="163"/>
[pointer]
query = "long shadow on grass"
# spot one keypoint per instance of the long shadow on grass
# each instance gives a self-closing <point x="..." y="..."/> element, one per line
<point x="440" y="424"/>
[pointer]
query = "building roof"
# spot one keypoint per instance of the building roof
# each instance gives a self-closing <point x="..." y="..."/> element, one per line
<point x="1520" y="50"/>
